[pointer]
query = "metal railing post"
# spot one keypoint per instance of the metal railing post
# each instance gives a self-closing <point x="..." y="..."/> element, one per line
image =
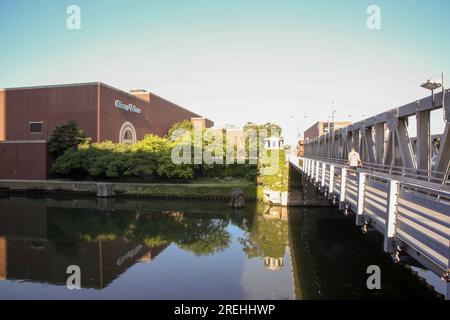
<point x="343" y="186"/>
<point x="447" y="278"/>
<point x="331" y="182"/>
<point x="316" y="175"/>
<point x="447" y="294"/>
<point x="391" y="215"/>
<point x="360" y="202"/>
<point x="324" y="169"/>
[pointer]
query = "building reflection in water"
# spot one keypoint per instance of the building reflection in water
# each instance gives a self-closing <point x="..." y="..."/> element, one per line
<point x="34" y="247"/>
<point x="314" y="253"/>
<point x="268" y="237"/>
<point x="273" y="263"/>
<point x="39" y="239"/>
<point x="3" y="259"/>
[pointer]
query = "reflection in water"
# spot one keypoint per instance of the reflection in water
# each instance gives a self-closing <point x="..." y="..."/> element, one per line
<point x="40" y="238"/>
<point x="330" y="259"/>
<point x="138" y="249"/>
<point x="268" y="237"/>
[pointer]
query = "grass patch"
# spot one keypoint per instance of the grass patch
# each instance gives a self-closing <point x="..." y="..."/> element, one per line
<point x="204" y="188"/>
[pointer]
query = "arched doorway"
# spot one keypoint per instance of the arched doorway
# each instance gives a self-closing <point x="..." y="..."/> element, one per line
<point x="127" y="133"/>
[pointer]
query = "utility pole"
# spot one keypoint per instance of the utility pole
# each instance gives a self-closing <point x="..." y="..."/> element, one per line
<point x="333" y="113"/>
<point x="333" y="118"/>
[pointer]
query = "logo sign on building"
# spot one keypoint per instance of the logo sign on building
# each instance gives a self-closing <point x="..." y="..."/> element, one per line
<point x="127" y="107"/>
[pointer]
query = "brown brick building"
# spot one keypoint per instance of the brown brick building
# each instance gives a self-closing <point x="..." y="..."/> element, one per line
<point x="28" y="117"/>
<point x="320" y="128"/>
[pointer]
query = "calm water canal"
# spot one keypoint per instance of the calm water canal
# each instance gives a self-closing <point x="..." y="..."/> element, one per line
<point x="138" y="249"/>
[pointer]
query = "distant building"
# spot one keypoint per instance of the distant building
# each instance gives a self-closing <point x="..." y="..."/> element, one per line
<point x="301" y="148"/>
<point x="321" y="128"/>
<point x="201" y="123"/>
<point x="274" y="143"/>
<point x="29" y="115"/>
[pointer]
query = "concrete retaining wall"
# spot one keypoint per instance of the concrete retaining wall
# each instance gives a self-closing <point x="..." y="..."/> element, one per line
<point x="106" y="190"/>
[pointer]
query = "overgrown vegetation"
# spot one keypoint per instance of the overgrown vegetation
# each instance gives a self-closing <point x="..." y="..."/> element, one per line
<point x="149" y="159"/>
<point x="279" y="180"/>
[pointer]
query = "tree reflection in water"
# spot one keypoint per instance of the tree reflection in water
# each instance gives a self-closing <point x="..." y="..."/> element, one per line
<point x="266" y="230"/>
<point x="202" y="234"/>
<point x="44" y="236"/>
<point x="268" y="236"/>
<point x="39" y="238"/>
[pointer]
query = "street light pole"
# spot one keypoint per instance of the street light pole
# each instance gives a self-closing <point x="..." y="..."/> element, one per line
<point x="432" y="85"/>
<point x="333" y="118"/>
<point x="425" y="157"/>
<point x="333" y="112"/>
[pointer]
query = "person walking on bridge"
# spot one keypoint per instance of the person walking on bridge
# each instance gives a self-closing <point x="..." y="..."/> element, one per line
<point x="354" y="159"/>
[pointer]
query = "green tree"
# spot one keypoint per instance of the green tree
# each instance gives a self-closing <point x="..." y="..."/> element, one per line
<point x="272" y="128"/>
<point x="185" y="125"/>
<point x="65" y="137"/>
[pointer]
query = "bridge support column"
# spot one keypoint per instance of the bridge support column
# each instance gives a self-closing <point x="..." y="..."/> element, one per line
<point x="391" y="216"/>
<point x="360" y="204"/>
<point x="322" y="182"/>
<point x="343" y="186"/>
<point x="331" y="182"/>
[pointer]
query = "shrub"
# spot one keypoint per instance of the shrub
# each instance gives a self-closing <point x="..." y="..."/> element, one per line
<point x="148" y="158"/>
<point x="65" y="137"/>
<point x="107" y="160"/>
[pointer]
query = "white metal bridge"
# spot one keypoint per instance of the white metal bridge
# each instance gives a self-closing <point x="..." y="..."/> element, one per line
<point x="400" y="190"/>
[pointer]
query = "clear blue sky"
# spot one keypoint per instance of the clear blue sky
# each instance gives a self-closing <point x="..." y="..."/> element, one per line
<point x="235" y="61"/>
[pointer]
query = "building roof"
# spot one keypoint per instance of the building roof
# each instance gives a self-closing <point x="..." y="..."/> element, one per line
<point x="102" y="84"/>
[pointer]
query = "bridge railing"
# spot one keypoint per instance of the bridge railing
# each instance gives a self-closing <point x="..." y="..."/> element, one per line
<point x="412" y="215"/>
<point x="423" y="224"/>
<point x="396" y="172"/>
<point x="385" y="145"/>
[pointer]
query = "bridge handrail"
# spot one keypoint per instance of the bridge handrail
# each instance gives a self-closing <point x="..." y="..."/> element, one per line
<point x="440" y="191"/>
<point x="433" y="177"/>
